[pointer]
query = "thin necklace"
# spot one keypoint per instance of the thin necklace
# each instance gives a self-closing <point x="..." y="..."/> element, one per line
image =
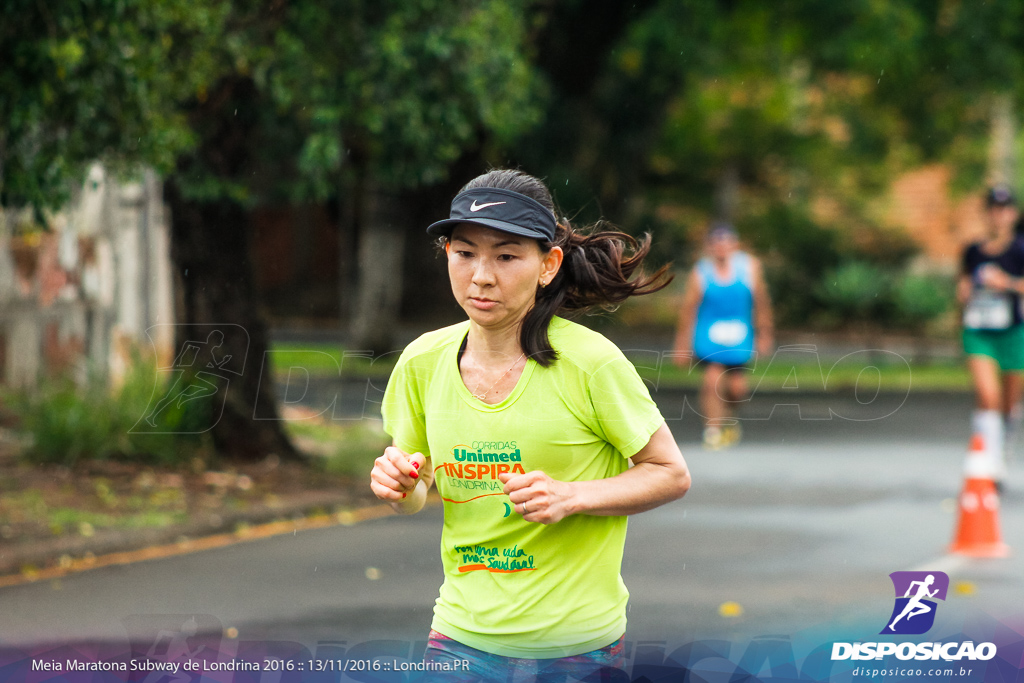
<point x="481" y="397"/>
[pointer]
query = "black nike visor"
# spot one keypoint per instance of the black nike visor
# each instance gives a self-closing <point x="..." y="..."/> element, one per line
<point x="503" y="210"/>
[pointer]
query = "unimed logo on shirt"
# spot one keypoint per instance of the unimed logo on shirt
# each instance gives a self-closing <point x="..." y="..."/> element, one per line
<point x="476" y="466"/>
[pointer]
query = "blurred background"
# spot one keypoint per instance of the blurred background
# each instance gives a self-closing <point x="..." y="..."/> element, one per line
<point x="168" y="167"/>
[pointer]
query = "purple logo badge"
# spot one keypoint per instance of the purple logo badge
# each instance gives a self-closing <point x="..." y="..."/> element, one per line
<point x="916" y="592"/>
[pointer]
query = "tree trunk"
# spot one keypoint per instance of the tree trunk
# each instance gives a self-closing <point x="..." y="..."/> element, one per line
<point x="210" y="253"/>
<point x="727" y="194"/>
<point x="350" y="196"/>
<point x="1001" y="157"/>
<point x="381" y="249"/>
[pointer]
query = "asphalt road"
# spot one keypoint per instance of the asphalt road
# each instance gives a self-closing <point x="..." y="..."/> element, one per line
<point x="799" y="526"/>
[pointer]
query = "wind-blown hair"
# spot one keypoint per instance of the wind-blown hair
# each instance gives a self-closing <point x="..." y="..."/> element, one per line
<point x="597" y="271"/>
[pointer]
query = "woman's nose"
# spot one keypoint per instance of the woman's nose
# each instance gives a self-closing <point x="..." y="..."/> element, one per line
<point x="483" y="273"/>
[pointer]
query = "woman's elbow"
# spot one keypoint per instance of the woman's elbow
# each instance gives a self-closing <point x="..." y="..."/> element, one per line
<point x="681" y="481"/>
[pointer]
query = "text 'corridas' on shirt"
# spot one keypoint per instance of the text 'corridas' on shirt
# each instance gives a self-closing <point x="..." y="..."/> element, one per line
<point x="511" y="587"/>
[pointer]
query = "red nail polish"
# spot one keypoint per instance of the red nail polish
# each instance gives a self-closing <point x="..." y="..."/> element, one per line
<point x="414" y="474"/>
<point x="403" y="495"/>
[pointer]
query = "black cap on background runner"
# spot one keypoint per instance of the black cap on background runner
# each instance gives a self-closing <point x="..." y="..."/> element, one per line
<point x="720" y="230"/>
<point x="1000" y="195"/>
<point x="503" y="210"/>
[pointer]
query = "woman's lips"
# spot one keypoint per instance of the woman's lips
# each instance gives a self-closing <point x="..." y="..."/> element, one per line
<point x="483" y="304"/>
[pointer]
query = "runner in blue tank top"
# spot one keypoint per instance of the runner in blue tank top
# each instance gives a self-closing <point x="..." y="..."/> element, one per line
<point x="725" y="316"/>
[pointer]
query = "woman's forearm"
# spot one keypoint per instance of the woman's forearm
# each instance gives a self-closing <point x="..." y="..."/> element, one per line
<point x="658" y="475"/>
<point x="642" y="487"/>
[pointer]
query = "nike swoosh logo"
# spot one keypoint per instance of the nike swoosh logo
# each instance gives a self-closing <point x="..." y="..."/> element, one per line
<point x="476" y="207"/>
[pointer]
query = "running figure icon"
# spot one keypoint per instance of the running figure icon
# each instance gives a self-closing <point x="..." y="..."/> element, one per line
<point x="197" y="387"/>
<point x="208" y="357"/>
<point x="915" y="606"/>
<point x="917" y="594"/>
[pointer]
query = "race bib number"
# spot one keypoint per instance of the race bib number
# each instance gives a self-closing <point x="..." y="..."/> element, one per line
<point x="987" y="310"/>
<point x="728" y="332"/>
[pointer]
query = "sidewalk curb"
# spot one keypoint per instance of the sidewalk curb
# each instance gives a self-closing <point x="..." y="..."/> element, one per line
<point x="120" y="548"/>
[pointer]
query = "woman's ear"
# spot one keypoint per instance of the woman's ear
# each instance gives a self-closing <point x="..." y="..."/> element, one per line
<point x="550" y="265"/>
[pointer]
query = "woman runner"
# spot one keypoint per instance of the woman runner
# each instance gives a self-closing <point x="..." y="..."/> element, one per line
<point x="538" y="433"/>
<point x="990" y="287"/>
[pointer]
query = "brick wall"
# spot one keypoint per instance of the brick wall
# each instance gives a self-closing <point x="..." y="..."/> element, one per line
<point x="922" y="203"/>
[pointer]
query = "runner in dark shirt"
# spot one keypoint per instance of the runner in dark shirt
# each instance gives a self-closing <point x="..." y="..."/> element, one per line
<point x="990" y="287"/>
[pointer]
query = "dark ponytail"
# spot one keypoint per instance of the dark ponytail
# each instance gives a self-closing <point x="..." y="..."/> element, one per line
<point x="596" y="268"/>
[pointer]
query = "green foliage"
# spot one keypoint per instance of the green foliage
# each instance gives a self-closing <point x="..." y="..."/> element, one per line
<point x="814" y="107"/>
<point x="399" y="89"/>
<point x="179" y="433"/>
<point x="67" y="427"/>
<point x="796" y="252"/>
<point x="919" y="299"/>
<point x="403" y="87"/>
<point x="360" y="445"/>
<point x="645" y="105"/>
<point x="94" y="81"/>
<point x="68" y="423"/>
<point x="862" y="292"/>
<point x="855" y="291"/>
<point x="791" y="234"/>
<point x="346" y="448"/>
<point x="934" y="69"/>
<point x="327" y="360"/>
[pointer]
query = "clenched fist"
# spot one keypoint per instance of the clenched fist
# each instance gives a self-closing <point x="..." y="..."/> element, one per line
<point x="395" y="474"/>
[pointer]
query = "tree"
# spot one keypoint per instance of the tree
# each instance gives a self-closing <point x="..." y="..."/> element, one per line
<point x="245" y="103"/>
<point x="358" y="100"/>
<point x="392" y="95"/>
<point x="106" y="80"/>
<point x="804" y="110"/>
<point x="647" y="105"/>
<point x="81" y="82"/>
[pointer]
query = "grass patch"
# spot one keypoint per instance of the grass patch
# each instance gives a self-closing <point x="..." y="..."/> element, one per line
<point x="329" y="360"/>
<point x="345" y="448"/>
<point x="891" y="372"/>
<point x="89" y="513"/>
<point x="885" y="371"/>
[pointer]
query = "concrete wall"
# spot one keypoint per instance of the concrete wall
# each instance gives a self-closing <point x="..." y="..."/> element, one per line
<point x="77" y="297"/>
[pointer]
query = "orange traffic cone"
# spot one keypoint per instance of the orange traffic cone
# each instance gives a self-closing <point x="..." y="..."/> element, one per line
<point x="977" y="533"/>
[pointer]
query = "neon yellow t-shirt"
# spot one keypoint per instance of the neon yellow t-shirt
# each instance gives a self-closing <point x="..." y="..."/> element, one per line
<point x="511" y="587"/>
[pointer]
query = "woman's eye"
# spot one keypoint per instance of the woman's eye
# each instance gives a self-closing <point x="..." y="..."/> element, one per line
<point x="506" y="257"/>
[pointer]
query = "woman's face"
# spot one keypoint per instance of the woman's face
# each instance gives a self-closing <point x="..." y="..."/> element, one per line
<point x="1001" y="219"/>
<point x="495" y="274"/>
<point x="722" y="246"/>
